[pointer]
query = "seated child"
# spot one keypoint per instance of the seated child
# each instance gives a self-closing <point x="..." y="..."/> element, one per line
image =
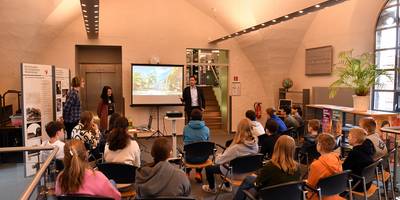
<point x="309" y="146"/>
<point x="267" y="141"/>
<point x="360" y="156"/>
<point x="79" y="178"/>
<point x="196" y="131"/>
<point x="55" y="130"/>
<point x="258" y="128"/>
<point x="369" y="125"/>
<point x="161" y="178"/>
<point x="326" y="165"/>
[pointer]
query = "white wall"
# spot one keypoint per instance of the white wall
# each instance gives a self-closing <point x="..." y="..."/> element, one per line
<point x="155" y="28"/>
<point x="350" y="25"/>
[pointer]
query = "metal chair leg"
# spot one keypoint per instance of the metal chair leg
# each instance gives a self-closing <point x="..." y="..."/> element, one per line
<point x="377" y="182"/>
<point x="383" y="182"/>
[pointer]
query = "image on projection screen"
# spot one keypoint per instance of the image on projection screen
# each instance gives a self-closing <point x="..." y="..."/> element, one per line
<point x="157" y="84"/>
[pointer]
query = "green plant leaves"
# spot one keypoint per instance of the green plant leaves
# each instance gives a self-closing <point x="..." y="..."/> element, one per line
<point x="357" y="72"/>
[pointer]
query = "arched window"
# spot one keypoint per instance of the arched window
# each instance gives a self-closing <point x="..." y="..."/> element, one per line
<point x="387" y="54"/>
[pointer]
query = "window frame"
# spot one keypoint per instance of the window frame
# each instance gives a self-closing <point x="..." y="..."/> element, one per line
<point x="396" y="88"/>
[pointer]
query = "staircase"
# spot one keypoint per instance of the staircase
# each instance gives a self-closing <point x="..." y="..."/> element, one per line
<point x="212" y="114"/>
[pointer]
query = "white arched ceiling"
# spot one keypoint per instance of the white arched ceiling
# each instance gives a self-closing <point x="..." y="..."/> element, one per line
<point x="271" y="50"/>
<point x="28" y="26"/>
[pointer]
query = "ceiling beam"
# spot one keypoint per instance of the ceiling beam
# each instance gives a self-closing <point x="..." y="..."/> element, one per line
<point x="280" y="19"/>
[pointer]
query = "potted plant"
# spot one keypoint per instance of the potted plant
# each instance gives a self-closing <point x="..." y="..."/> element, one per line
<point x="359" y="73"/>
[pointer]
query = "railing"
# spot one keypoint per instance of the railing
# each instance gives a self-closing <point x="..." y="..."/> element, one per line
<point x="36" y="179"/>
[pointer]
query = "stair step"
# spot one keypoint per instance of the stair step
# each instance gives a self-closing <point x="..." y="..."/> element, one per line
<point x="212" y="103"/>
<point x="212" y="114"/>
<point x="210" y="121"/>
<point x="215" y="126"/>
<point x="212" y="108"/>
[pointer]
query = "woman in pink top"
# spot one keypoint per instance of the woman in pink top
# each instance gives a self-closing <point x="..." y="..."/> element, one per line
<point x="77" y="176"/>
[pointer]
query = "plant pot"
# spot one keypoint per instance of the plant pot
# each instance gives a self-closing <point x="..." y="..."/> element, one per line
<point x="360" y="103"/>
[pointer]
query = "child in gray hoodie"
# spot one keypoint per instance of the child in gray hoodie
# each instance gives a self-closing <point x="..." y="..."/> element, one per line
<point x="244" y="143"/>
<point x="161" y="178"/>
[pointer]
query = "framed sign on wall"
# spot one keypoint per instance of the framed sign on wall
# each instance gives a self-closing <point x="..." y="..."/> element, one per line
<point x="319" y="61"/>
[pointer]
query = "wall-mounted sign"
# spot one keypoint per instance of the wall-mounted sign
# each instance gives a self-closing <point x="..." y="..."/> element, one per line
<point x="319" y="60"/>
<point x="236" y="88"/>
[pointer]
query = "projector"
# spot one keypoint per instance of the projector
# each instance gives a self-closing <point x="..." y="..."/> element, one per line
<point x="174" y="114"/>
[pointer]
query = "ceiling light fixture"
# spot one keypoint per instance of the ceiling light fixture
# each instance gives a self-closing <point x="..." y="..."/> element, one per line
<point x="90" y="13"/>
<point x="287" y="17"/>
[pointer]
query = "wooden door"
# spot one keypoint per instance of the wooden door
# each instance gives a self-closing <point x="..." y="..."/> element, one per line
<point x="96" y="77"/>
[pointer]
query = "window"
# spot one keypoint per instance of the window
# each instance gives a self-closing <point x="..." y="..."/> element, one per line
<point x="386" y="92"/>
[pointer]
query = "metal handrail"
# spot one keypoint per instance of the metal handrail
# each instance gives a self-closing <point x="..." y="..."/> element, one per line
<point x="34" y="148"/>
<point x="28" y="191"/>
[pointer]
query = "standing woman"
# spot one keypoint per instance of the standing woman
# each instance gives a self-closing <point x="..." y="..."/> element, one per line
<point x="106" y="107"/>
<point x="72" y="107"/>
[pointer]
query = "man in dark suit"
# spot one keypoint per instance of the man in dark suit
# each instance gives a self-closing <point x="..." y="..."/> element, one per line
<point x="193" y="97"/>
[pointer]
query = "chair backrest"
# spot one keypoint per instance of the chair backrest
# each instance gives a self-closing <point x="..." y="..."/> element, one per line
<point x="82" y="197"/>
<point x="288" y="191"/>
<point x="167" y="198"/>
<point x="199" y="149"/>
<point x="261" y="139"/>
<point x="119" y="172"/>
<point x="246" y="164"/>
<point x="369" y="171"/>
<point x="334" y="184"/>
<point x="289" y="131"/>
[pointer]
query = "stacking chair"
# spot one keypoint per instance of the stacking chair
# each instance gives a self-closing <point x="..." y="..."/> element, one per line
<point x="332" y="185"/>
<point x="123" y="175"/>
<point x="243" y="165"/>
<point x="369" y="174"/>
<point x="199" y="149"/>
<point x="82" y="197"/>
<point x="385" y="175"/>
<point x="286" y="191"/>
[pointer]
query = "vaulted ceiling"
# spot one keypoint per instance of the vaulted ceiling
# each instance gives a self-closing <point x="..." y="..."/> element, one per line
<point x="28" y="26"/>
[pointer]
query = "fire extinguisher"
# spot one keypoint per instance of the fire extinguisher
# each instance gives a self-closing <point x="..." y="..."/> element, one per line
<point x="257" y="109"/>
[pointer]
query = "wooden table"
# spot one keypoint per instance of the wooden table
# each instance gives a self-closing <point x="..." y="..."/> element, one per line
<point x="317" y="111"/>
<point x="313" y="111"/>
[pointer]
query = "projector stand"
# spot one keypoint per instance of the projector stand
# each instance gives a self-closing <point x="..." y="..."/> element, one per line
<point x="157" y="133"/>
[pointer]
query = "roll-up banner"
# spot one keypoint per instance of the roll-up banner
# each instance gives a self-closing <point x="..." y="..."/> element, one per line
<point x="37" y="108"/>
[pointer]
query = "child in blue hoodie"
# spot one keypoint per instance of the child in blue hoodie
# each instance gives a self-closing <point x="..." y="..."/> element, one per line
<point x="196" y="131"/>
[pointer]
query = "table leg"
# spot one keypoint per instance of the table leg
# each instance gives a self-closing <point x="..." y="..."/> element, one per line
<point x="395" y="161"/>
<point x="174" y="139"/>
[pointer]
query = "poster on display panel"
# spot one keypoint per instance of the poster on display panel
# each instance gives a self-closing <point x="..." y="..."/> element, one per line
<point x="38" y="108"/>
<point x="62" y="78"/>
